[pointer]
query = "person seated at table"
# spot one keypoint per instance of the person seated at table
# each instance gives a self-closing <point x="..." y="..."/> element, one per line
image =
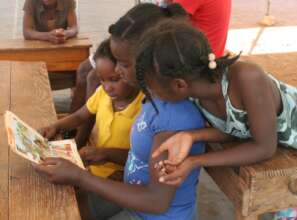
<point x="114" y="106"/>
<point x="49" y="20"/>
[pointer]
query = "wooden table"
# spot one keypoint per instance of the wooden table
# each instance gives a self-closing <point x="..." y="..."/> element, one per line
<point x="62" y="57"/>
<point x="270" y="185"/>
<point x="25" y="90"/>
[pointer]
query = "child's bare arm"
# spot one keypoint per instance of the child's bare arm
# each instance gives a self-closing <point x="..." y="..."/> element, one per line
<point x="255" y="93"/>
<point x="210" y="134"/>
<point x="29" y="31"/>
<point x="180" y="144"/>
<point x="96" y="155"/>
<point x="70" y="122"/>
<point x="72" y="29"/>
<point x="75" y="119"/>
<point x="116" y="155"/>
<point x="153" y="198"/>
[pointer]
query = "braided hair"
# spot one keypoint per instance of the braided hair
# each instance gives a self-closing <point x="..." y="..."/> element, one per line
<point x="137" y="20"/>
<point x="141" y="17"/>
<point x="175" y="49"/>
<point x="103" y="51"/>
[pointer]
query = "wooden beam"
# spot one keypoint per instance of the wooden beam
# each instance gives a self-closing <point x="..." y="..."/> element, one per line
<point x="30" y="196"/>
<point x="4" y="155"/>
<point x="4" y="187"/>
<point x="20" y="44"/>
<point x="4" y="86"/>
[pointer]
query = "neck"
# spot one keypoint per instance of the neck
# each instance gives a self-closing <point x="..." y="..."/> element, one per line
<point x="206" y="91"/>
<point x="120" y="105"/>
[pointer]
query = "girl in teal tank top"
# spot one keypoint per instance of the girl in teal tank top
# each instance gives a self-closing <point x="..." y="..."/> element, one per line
<point x="238" y="99"/>
<point x="237" y="124"/>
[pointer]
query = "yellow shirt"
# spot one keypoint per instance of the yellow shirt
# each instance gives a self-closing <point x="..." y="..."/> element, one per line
<point x="113" y="127"/>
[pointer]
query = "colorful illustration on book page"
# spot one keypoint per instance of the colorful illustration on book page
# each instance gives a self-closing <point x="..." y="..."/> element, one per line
<point x="66" y="149"/>
<point x="25" y="142"/>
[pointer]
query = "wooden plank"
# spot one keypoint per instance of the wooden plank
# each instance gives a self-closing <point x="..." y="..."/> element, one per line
<point x="229" y="182"/>
<point x="63" y="66"/>
<point x="30" y="196"/>
<point x="4" y="153"/>
<point x="268" y="186"/>
<point x="62" y="59"/>
<point x="273" y="194"/>
<point x="19" y="44"/>
<point x="4" y="86"/>
<point x="270" y="182"/>
<point x="56" y="55"/>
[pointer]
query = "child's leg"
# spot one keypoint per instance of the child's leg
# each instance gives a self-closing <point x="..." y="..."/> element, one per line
<point x="102" y="209"/>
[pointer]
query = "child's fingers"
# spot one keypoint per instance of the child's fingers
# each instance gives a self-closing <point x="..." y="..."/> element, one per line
<point x="176" y="182"/>
<point x="171" y="162"/>
<point x="170" y="168"/>
<point x="170" y="177"/>
<point x="82" y="151"/>
<point x="159" y="165"/>
<point x="159" y="151"/>
<point x="176" y="159"/>
<point x="161" y="173"/>
<point x="41" y="169"/>
<point x="50" y="161"/>
<point x="85" y="151"/>
<point x="41" y="131"/>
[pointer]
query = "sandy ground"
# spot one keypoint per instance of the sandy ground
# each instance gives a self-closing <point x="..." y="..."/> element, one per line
<point x="245" y="35"/>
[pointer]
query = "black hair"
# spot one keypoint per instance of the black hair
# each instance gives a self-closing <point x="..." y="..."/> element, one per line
<point x="103" y="51"/>
<point x="141" y="17"/>
<point x="138" y="20"/>
<point x="175" y="49"/>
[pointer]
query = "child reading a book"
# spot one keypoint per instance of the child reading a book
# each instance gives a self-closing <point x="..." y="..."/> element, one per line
<point x="115" y="105"/>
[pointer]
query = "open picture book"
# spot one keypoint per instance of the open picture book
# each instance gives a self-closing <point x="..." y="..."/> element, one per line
<point x="29" y="144"/>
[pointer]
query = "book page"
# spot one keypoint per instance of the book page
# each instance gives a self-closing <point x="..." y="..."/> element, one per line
<point x="29" y="144"/>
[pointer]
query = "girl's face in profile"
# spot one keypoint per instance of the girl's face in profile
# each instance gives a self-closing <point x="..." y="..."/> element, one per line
<point x="125" y="65"/>
<point x="112" y="83"/>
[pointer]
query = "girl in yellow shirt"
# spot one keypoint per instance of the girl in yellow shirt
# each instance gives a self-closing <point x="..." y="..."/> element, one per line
<point x="114" y="106"/>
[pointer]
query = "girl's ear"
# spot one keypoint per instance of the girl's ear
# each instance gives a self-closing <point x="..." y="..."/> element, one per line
<point x="180" y="85"/>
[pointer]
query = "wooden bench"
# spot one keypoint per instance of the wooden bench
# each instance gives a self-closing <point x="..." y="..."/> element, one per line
<point x="267" y="186"/>
<point x="25" y="90"/>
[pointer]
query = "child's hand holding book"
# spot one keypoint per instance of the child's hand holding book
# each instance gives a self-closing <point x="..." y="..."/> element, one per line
<point x="93" y="155"/>
<point x="49" y="132"/>
<point x="60" y="171"/>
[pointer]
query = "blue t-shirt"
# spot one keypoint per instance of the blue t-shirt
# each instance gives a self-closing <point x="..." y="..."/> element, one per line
<point x="171" y="117"/>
